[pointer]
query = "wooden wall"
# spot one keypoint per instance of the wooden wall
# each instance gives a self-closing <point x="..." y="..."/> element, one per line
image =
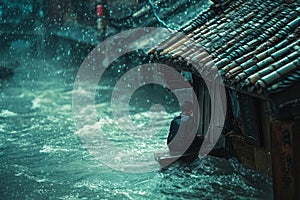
<point x="285" y="159"/>
<point x="262" y="153"/>
<point x="248" y="131"/>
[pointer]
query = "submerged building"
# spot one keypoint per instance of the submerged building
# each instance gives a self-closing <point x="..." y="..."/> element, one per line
<point x="255" y="47"/>
<point x="253" y="44"/>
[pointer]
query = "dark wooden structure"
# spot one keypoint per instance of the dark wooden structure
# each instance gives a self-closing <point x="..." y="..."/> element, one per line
<point x="255" y="47"/>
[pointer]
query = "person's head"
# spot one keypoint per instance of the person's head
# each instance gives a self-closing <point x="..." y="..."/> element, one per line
<point x="187" y="108"/>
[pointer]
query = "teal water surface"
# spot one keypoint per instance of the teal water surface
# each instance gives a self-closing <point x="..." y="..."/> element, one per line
<point x="43" y="157"/>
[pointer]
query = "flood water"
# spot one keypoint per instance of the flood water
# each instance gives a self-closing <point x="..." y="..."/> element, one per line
<point x="43" y="157"/>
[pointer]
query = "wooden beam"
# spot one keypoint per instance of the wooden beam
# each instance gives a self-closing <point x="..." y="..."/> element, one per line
<point x="283" y="149"/>
<point x="296" y="151"/>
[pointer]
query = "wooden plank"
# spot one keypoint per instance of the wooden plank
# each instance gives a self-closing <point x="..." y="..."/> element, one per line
<point x="296" y="151"/>
<point x="263" y="153"/>
<point x="250" y="112"/>
<point x="282" y="143"/>
<point x="243" y="151"/>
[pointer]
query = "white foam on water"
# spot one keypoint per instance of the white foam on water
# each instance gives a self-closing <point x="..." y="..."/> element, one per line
<point x="26" y="172"/>
<point x="2" y="126"/>
<point x="132" y="152"/>
<point x="41" y="101"/>
<point x="7" y="113"/>
<point x="53" y="149"/>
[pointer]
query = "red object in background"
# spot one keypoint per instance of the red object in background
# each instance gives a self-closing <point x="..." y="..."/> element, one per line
<point x="100" y="10"/>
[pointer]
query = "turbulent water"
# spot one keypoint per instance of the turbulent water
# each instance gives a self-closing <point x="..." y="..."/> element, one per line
<point x="42" y="155"/>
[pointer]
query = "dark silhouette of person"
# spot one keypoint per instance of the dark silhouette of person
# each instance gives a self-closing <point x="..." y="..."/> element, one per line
<point x="182" y="138"/>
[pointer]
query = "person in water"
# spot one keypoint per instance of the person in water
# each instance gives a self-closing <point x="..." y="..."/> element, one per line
<point x="182" y="138"/>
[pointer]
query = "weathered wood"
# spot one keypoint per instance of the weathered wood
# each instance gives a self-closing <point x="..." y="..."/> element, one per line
<point x="243" y="151"/>
<point x="296" y="151"/>
<point x="262" y="160"/>
<point x="250" y="113"/>
<point x="283" y="159"/>
<point x="263" y="153"/>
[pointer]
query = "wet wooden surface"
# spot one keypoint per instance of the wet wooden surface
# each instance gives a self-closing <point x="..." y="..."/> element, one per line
<point x="283" y="159"/>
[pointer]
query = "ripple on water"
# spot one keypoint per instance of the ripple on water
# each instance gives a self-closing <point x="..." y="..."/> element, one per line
<point x="42" y="157"/>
